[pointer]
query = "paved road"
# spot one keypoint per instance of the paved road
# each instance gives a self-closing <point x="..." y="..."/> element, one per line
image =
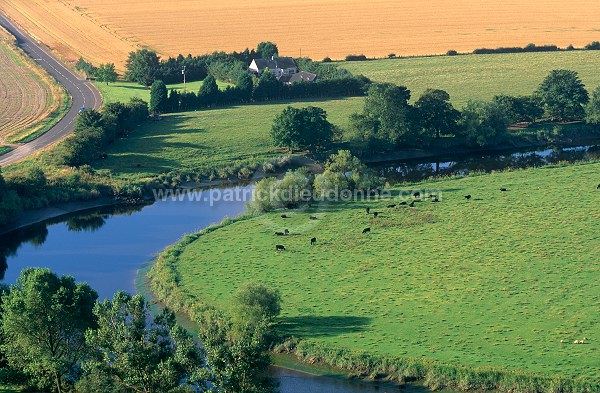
<point x="82" y="93"/>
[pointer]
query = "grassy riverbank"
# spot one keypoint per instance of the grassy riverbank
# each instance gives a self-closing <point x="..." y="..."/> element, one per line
<point x="497" y="281"/>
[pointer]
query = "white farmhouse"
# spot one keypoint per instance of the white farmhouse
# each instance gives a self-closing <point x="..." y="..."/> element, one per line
<point x="278" y="66"/>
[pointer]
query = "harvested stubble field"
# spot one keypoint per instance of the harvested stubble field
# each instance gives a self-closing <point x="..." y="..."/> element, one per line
<point x="105" y="30"/>
<point x="28" y="96"/>
<point x="498" y="280"/>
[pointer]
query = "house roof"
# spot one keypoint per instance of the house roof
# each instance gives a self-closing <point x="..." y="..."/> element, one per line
<point x="303" y="76"/>
<point x="278" y="62"/>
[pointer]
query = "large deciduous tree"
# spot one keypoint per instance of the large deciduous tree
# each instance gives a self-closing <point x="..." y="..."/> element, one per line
<point x="436" y="115"/>
<point x="305" y="128"/>
<point x="563" y="95"/>
<point x="142" y="67"/>
<point x="484" y="123"/>
<point x="106" y="73"/>
<point x="44" y="321"/>
<point x="132" y="354"/>
<point x="267" y="50"/>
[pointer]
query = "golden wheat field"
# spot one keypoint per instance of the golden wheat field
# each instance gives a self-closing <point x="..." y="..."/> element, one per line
<point x="27" y="94"/>
<point x="105" y="30"/>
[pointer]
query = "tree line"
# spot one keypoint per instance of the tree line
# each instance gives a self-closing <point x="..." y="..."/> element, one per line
<point x="57" y="336"/>
<point x="389" y="121"/>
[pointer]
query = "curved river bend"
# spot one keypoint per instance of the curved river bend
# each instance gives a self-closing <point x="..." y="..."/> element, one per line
<point x="107" y="247"/>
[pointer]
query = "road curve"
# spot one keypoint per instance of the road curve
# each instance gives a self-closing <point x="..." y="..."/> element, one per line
<point x="82" y="93"/>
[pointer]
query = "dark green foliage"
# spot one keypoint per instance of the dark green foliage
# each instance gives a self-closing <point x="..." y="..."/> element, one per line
<point x="435" y="113"/>
<point x="387" y="118"/>
<point x="595" y="45"/>
<point x="592" y="110"/>
<point x="305" y="128"/>
<point x="517" y="49"/>
<point x="519" y="109"/>
<point x="255" y="303"/>
<point x="44" y="322"/>
<point x="356" y="58"/>
<point x="236" y="355"/>
<point x="86" y="67"/>
<point x="267" y="49"/>
<point x="323" y="71"/>
<point x="106" y="73"/>
<point x="345" y="172"/>
<point x="209" y="92"/>
<point x="132" y="354"/>
<point x="244" y="86"/>
<point x="484" y="123"/>
<point x="451" y="52"/>
<point x="267" y="88"/>
<point x="158" y="97"/>
<point x="563" y="95"/>
<point x="96" y="130"/>
<point x="142" y="67"/>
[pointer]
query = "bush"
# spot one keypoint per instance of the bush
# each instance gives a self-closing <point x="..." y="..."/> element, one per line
<point x="451" y="52"/>
<point x="593" y="46"/>
<point x="356" y="58"/>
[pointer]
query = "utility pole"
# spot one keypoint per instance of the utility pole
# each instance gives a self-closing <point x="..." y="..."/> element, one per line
<point x="183" y="73"/>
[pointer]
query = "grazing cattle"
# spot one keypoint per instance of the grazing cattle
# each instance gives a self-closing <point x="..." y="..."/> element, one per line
<point x="412" y="204"/>
<point x="376" y="214"/>
<point x="503" y="189"/>
<point x="287" y="232"/>
<point x="284" y="216"/>
<point x="391" y="206"/>
<point x="467" y="197"/>
<point x="435" y="199"/>
<point x="279" y="247"/>
<point x="313" y="241"/>
<point x="368" y="210"/>
<point x="598" y="188"/>
<point x="366" y="230"/>
<point x="279" y="234"/>
<point x="313" y="218"/>
<point x="417" y="194"/>
<point x="403" y="203"/>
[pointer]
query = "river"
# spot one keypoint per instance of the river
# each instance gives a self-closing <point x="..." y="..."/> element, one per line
<point x="107" y="247"/>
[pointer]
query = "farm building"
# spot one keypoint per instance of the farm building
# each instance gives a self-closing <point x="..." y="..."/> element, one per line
<point x="278" y="66"/>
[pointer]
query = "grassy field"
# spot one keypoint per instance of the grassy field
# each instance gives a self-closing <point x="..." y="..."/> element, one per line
<point x="208" y="138"/>
<point x="31" y="101"/>
<point x="124" y="91"/>
<point x="498" y="280"/>
<point x="479" y="76"/>
<point x="106" y="30"/>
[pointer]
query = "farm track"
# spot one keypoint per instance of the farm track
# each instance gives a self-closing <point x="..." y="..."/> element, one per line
<point x="81" y="91"/>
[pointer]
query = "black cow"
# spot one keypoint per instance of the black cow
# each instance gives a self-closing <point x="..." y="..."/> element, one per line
<point x="598" y="188"/>
<point x="284" y="216"/>
<point x="435" y="199"/>
<point x="279" y="247"/>
<point x="503" y="190"/>
<point x="467" y="197"/>
<point x="391" y="206"/>
<point x="403" y="203"/>
<point x="366" y="230"/>
<point x="412" y="204"/>
<point x="313" y="218"/>
<point x="368" y="210"/>
<point x="279" y="234"/>
<point x="417" y="194"/>
<point x="376" y="214"/>
<point x="313" y="241"/>
<point x="287" y="232"/>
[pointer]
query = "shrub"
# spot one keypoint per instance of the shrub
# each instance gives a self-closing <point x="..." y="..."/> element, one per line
<point x="356" y="58"/>
<point x="451" y="52"/>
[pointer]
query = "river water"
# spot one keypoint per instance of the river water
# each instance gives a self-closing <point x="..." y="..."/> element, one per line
<point x="106" y="247"/>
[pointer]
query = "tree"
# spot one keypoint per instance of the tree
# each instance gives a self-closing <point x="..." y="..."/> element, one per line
<point x="386" y="121"/>
<point x="236" y="356"/>
<point x="45" y="318"/>
<point x="305" y="128"/>
<point x="343" y="171"/>
<point x="254" y="303"/>
<point x="142" y="67"/>
<point x="209" y="91"/>
<point x="244" y="87"/>
<point x="484" y="123"/>
<point x="106" y="73"/>
<point x="267" y="87"/>
<point x="86" y="67"/>
<point x="267" y="50"/>
<point x="436" y="114"/>
<point x="524" y="108"/>
<point x="592" y="110"/>
<point x="563" y="95"/>
<point x="132" y="354"/>
<point x="158" y="97"/>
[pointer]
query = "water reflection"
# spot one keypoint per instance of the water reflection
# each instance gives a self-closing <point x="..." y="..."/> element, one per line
<point x="414" y="171"/>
